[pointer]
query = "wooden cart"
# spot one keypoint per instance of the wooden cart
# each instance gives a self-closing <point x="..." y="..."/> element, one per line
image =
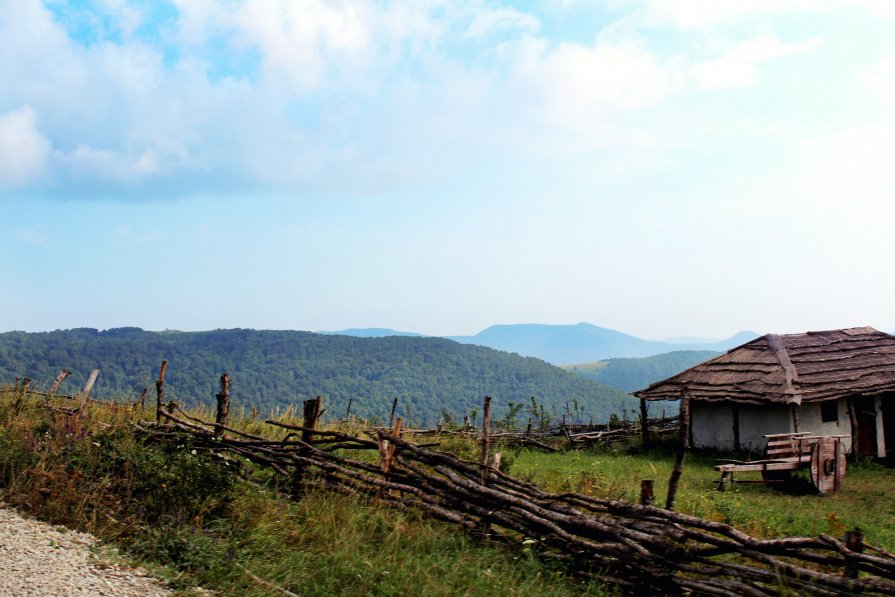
<point x="824" y="455"/>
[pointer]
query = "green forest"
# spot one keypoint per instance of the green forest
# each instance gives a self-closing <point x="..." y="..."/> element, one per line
<point x="630" y="374"/>
<point x="275" y="369"/>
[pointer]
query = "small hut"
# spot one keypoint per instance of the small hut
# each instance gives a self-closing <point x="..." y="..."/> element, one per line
<point x="837" y="382"/>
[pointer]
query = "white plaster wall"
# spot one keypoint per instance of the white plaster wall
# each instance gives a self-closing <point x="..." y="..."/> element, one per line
<point x="711" y="425"/>
<point x="809" y="420"/>
<point x="758" y="421"/>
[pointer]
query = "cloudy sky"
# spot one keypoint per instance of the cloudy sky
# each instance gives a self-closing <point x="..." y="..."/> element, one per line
<point x="661" y="167"/>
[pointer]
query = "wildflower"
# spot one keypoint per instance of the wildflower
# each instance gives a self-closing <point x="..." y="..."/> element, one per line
<point x="528" y="542"/>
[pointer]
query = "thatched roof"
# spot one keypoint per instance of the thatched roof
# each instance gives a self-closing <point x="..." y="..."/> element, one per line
<point x="795" y="368"/>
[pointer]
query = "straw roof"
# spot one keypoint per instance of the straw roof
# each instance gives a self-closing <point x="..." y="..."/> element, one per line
<point x="790" y="369"/>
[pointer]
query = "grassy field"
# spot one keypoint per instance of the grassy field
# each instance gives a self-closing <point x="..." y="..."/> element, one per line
<point x="867" y="499"/>
<point x="188" y="516"/>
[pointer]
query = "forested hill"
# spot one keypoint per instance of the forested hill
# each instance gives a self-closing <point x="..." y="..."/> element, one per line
<point x="271" y="368"/>
<point x="637" y="373"/>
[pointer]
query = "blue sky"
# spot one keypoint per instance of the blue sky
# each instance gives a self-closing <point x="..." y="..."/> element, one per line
<point x="660" y="167"/>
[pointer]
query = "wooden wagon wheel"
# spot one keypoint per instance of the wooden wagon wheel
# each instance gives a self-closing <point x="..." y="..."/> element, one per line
<point x="827" y="464"/>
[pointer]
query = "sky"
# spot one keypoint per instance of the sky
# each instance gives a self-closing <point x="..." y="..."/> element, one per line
<point x="659" y="167"/>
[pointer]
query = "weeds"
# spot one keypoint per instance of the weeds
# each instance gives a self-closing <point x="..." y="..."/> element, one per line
<point x="189" y="515"/>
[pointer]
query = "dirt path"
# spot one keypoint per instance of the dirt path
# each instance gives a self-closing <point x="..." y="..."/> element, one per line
<point x="41" y="560"/>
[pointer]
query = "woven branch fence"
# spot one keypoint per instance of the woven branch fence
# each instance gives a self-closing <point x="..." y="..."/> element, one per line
<point x="640" y="549"/>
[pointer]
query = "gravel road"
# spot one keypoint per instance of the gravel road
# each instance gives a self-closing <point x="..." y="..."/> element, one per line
<point x="41" y="560"/>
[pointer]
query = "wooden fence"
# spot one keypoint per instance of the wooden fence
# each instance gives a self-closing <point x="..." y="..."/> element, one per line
<point x="641" y="549"/>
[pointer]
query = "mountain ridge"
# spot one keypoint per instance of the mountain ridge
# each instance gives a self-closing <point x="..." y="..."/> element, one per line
<point x="568" y="344"/>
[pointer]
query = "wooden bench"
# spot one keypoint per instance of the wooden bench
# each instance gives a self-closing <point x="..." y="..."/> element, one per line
<point x="787" y="452"/>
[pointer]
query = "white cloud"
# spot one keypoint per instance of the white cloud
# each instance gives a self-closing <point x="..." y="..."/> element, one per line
<point x="709" y="14"/>
<point x="303" y="39"/>
<point x="736" y="68"/>
<point x="704" y="14"/>
<point x="572" y="84"/>
<point x="24" y="151"/>
<point x="850" y="172"/>
<point x="489" y="21"/>
<point x="880" y="78"/>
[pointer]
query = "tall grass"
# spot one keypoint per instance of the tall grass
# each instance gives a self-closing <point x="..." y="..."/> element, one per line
<point x="190" y="516"/>
<point x="866" y="500"/>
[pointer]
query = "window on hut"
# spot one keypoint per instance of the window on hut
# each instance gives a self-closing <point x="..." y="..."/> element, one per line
<point x="829" y="411"/>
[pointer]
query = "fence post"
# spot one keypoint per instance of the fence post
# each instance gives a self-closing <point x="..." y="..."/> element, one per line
<point x="58" y="382"/>
<point x="647" y="498"/>
<point x="310" y="414"/>
<point x="84" y="396"/>
<point x="486" y="436"/>
<point x="387" y="452"/>
<point x="391" y="417"/>
<point x="681" y="451"/>
<point x="223" y="411"/>
<point x="644" y="422"/>
<point x="854" y="540"/>
<point x="158" y="392"/>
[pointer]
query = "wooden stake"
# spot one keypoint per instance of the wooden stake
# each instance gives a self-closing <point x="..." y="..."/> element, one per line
<point x="310" y="415"/>
<point x="486" y="436"/>
<point x="644" y="422"/>
<point x="387" y="452"/>
<point x="854" y="540"/>
<point x="223" y="411"/>
<point x="391" y="417"/>
<point x="142" y="399"/>
<point x="159" y="391"/>
<point x="683" y="447"/>
<point x="59" y="379"/>
<point x="348" y="410"/>
<point x="647" y="498"/>
<point x="85" y="393"/>
<point x="736" y="429"/>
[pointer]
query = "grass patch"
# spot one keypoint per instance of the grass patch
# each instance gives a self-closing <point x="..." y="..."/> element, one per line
<point x="188" y="516"/>
<point x="866" y="500"/>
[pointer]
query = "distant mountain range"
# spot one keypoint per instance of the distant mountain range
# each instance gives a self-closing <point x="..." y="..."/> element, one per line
<point x="573" y="344"/>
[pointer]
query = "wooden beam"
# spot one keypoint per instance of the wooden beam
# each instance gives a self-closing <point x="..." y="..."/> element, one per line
<point x="644" y="422"/>
<point x="736" y="429"/>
